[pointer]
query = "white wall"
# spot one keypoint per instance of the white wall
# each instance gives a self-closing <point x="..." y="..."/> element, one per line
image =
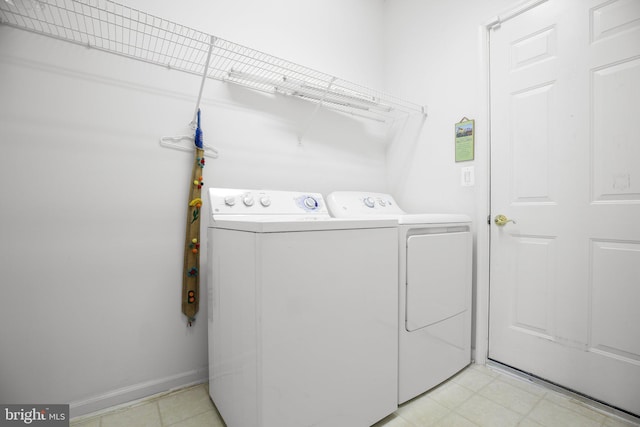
<point x="436" y="55"/>
<point x="93" y="209"/>
<point x="433" y="56"/>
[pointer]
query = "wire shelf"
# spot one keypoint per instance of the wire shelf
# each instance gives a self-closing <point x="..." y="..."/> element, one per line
<point x="121" y="30"/>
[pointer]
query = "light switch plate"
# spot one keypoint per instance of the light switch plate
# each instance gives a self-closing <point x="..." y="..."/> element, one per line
<point x="467" y="178"/>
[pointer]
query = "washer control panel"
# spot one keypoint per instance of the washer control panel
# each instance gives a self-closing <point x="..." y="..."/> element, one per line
<point x="231" y="201"/>
<point x="354" y="203"/>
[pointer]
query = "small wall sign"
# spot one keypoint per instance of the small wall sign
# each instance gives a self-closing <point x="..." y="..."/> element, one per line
<point x="464" y="140"/>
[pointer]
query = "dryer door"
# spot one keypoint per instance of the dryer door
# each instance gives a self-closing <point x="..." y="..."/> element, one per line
<point x="438" y="277"/>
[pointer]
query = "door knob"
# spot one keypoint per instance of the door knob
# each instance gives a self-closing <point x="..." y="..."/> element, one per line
<point x="502" y="220"/>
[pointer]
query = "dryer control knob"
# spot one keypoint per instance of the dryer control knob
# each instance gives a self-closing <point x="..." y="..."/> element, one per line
<point x="310" y="203"/>
<point x="230" y="200"/>
<point x="382" y="203"/>
<point x="369" y="202"/>
<point x="265" y="201"/>
<point x="247" y="200"/>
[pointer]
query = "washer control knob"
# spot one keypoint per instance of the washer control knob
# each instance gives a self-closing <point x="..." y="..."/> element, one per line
<point x="369" y="202"/>
<point x="247" y="200"/>
<point x="265" y="201"/>
<point x="310" y="203"/>
<point x="230" y="200"/>
<point x="382" y="203"/>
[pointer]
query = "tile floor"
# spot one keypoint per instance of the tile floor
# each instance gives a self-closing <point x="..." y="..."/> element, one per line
<point x="477" y="396"/>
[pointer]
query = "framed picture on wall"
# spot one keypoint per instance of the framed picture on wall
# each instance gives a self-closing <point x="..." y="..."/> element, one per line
<point x="464" y="140"/>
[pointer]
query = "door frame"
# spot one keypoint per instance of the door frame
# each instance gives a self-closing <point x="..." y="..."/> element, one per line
<point x="482" y="289"/>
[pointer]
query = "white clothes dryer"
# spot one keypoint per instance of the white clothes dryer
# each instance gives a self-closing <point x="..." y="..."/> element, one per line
<point x="434" y="284"/>
<point x="303" y="315"/>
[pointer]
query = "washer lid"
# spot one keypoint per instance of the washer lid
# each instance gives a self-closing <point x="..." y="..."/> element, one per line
<point x="280" y="224"/>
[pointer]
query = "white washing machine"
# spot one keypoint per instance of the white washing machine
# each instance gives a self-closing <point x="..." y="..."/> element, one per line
<point x="435" y="285"/>
<point x="303" y="313"/>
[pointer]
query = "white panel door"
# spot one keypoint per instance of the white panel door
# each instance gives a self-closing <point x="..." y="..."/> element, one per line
<point x="565" y="166"/>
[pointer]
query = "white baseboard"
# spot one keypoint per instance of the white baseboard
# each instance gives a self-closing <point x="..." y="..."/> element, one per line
<point x="138" y="391"/>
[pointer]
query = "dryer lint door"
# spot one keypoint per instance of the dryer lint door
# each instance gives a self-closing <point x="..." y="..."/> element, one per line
<point x="438" y="277"/>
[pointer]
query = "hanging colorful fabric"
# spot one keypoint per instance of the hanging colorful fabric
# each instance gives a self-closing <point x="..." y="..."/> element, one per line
<point x="191" y="267"/>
